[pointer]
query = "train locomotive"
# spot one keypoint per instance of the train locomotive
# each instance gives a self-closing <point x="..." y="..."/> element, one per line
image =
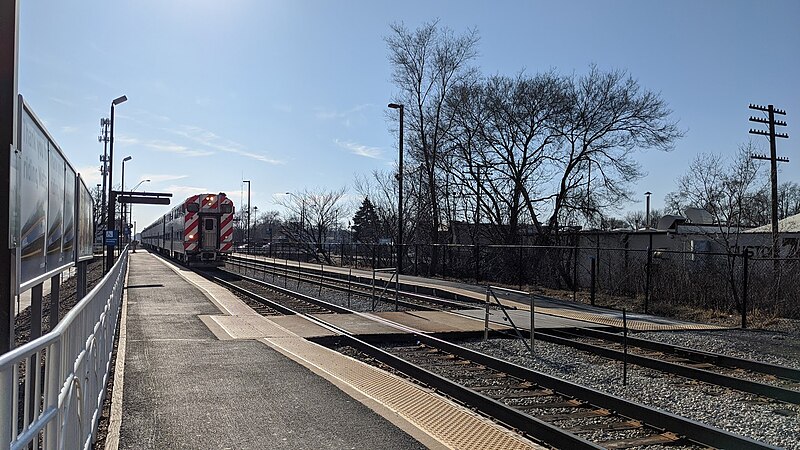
<point x="198" y="232"/>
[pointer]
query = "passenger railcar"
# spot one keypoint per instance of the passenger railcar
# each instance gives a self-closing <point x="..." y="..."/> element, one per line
<point x="198" y="232"/>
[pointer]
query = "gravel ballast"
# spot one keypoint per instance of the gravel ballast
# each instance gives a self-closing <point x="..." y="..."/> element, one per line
<point x="774" y="423"/>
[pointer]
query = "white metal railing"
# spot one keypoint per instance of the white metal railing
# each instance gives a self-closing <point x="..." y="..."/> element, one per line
<point x="57" y="406"/>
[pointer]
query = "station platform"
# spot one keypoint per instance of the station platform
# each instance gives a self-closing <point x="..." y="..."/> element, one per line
<point x="197" y="368"/>
<point x="549" y="312"/>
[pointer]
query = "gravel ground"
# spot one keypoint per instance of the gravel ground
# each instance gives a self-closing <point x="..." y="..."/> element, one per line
<point x="778" y="345"/>
<point x="774" y="423"/>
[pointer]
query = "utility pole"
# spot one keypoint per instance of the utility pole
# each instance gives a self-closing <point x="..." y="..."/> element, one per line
<point x="773" y="158"/>
<point x="104" y="124"/>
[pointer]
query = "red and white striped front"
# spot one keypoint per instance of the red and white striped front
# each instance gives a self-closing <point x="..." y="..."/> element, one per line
<point x="191" y="227"/>
<point x="208" y="205"/>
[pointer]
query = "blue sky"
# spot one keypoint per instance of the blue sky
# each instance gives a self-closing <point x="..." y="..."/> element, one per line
<point x="293" y="94"/>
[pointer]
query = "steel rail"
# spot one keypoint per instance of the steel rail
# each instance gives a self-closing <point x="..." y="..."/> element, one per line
<point x="691" y="429"/>
<point x="455" y="304"/>
<point x="753" y="387"/>
<point x="281" y="290"/>
<point x="788" y="373"/>
<point x="536" y="428"/>
<point x="364" y="288"/>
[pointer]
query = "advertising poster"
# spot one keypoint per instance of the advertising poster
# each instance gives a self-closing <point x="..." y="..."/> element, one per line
<point x="68" y="242"/>
<point x="55" y="210"/>
<point x="85" y="226"/>
<point x="32" y="185"/>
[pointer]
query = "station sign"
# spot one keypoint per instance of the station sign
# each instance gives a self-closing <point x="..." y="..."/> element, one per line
<point x="112" y="237"/>
<point x="51" y="210"/>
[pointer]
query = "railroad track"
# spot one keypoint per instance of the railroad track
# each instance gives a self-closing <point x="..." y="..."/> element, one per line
<point x="357" y="286"/>
<point x="550" y="410"/>
<point x="270" y="299"/>
<point x="766" y="380"/>
<point x="547" y="409"/>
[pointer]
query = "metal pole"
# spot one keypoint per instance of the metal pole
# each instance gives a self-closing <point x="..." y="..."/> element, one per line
<point x="533" y="326"/>
<point x="486" y="317"/>
<point x="745" y="270"/>
<point x="624" y="348"/>
<point x="648" y="271"/>
<point x="247" y="225"/>
<point x="400" y="200"/>
<point x="773" y="178"/>
<point x="55" y="297"/>
<point x="9" y="38"/>
<point x="594" y="279"/>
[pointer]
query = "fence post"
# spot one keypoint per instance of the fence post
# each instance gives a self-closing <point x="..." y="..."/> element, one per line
<point x="575" y="272"/>
<point x="648" y="270"/>
<point x="519" y="266"/>
<point x="745" y="269"/>
<point x="593" y="279"/>
<point x="486" y="317"/>
<point x="416" y="260"/>
<point x="373" y="256"/>
<point x="533" y="327"/>
<point x="624" y="348"/>
<point x="477" y="264"/>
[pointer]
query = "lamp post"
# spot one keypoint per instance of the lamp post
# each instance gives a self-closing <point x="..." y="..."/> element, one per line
<point x="130" y="208"/>
<point x="255" y="220"/>
<point x="248" y="215"/>
<point x="124" y="218"/>
<point x="111" y="198"/>
<point x="399" y="193"/>
<point x="647" y="216"/>
<point x="302" y="211"/>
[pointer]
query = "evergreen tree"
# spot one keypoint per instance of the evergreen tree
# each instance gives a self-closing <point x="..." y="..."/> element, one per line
<point x="365" y="223"/>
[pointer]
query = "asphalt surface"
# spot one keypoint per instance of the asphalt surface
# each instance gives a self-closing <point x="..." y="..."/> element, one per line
<point x="184" y="389"/>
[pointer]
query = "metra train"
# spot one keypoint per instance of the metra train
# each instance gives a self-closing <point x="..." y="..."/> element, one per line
<point x="198" y="232"/>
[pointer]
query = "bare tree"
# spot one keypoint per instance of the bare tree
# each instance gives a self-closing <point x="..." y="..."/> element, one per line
<point x="503" y="136"/>
<point x="426" y="64"/>
<point x="727" y="190"/>
<point x="609" y="116"/>
<point x="319" y="213"/>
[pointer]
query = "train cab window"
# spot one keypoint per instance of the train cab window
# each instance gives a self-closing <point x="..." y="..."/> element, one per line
<point x="226" y="209"/>
<point x="209" y="224"/>
<point x="193" y="207"/>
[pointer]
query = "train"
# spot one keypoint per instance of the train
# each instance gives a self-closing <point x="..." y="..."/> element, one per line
<point x="198" y="232"/>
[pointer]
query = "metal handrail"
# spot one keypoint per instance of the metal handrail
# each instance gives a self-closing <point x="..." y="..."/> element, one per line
<point x="68" y="387"/>
<point x="490" y="293"/>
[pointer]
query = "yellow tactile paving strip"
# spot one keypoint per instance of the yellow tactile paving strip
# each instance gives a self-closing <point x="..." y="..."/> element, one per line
<point x="443" y="421"/>
<point x="448" y="423"/>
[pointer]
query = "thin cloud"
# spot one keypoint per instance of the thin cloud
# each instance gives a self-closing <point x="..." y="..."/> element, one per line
<point x="171" y="147"/>
<point x="332" y="114"/>
<point x="209" y="139"/>
<point x="359" y="149"/>
<point x="160" y="178"/>
<point x="68" y="129"/>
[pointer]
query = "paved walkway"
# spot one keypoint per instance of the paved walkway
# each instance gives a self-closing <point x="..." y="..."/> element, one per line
<point x="198" y="369"/>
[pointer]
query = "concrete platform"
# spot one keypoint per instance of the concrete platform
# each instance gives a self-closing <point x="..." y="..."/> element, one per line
<point x="551" y="309"/>
<point x="196" y="368"/>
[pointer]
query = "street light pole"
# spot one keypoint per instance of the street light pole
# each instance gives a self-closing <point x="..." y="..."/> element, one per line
<point x="248" y="213"/>
<point x="124" y="225"/>
<point x="399" y="193"/>
<point x="130" y="208"/>
<point x="111" y="197"/>
<point x="647" y="217"/>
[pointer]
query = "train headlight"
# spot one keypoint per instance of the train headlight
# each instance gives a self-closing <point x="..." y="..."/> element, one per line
<point x="191" y="236"/>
